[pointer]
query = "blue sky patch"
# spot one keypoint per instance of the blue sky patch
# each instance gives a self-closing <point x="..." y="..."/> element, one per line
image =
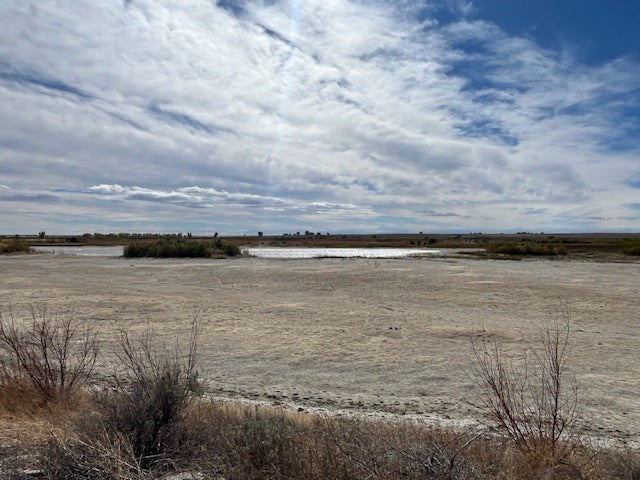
<point x="595" y="31"/>
<point x="234" y="7"/>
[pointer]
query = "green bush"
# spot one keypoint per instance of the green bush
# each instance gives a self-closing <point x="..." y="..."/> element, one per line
<point x="15" y="245"/>
<point x="231" y="250"/>
<point x="524" y="249"/>
<point x="180" y="248"/>
<point x="631" y="248"/>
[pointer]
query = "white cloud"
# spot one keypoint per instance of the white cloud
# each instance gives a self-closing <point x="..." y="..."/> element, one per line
<point x="199" y="197"/>
<point x="329" y="112"/>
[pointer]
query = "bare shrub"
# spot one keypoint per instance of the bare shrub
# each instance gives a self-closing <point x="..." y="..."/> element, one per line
<point x="148" y="399"/>
<point x="49" y="354"/>
<point x="532" y="400"/>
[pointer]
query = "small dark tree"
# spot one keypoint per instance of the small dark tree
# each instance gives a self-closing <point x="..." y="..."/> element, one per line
<point x="260" y="234"/>
<point x="42" y="234"/>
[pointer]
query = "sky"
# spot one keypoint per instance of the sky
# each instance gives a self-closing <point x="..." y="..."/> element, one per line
<point x="338" y="116"/>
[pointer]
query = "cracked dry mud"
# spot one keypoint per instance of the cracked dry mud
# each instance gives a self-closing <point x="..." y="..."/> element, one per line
<point x="360" y="336"/>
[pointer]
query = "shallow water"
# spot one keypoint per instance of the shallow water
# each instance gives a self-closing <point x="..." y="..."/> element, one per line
<point x="265" y="252"/>
<point x="114" y="251"/>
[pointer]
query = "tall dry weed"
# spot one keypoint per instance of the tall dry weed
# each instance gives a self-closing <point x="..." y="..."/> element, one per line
<point x="531" y="396"/>
<point x="49" y="354"/>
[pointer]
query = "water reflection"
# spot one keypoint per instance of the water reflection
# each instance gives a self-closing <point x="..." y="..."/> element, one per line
<point x="269" y="252"/>
<point x="113" y="251"/>
<point x="266" y="252"/>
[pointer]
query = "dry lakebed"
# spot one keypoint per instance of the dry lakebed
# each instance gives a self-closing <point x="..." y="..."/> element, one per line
<point x="372" y="337"/>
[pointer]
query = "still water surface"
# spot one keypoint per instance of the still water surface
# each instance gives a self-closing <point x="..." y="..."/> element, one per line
<point x="266" y="252"/>
<point x="114" y="251"/>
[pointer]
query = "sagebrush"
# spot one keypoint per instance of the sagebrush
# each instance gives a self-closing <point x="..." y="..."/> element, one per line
<point x="147" y="400"/>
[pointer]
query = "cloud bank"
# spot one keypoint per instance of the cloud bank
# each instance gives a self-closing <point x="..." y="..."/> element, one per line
<point x="341" y="116"/>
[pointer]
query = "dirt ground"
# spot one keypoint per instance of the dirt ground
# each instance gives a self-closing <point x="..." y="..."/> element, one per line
<point x="376" y="337"/>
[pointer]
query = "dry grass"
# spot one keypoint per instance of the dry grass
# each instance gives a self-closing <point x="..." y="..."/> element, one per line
<point x="234" y="441"/>
<point x="150" y="423"/>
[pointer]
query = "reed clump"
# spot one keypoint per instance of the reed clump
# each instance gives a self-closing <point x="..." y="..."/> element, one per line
<point x="631" y="248"/>
<point x="14" y="245"/>
<point x="181" y="248"/>
<point x="524" y="249"/>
